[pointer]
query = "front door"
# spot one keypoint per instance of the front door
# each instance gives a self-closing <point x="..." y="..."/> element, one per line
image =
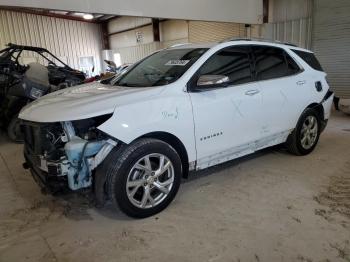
<point x="228" y="118"/>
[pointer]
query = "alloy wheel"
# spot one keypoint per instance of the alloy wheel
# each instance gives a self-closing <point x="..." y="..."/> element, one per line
<point x="150" y="181"/>
<point x="309" y="132"/>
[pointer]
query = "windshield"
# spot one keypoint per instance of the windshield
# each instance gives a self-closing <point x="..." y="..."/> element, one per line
<point x="161" y="68"/>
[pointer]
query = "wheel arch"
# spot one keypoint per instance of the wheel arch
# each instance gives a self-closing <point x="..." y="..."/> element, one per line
<point x="176" y="143"/>
<point x="315" y="106"/>
<point x="319" y="109"/>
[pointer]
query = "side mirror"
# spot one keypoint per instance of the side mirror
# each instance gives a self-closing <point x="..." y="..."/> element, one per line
<point x="212" y="81"/>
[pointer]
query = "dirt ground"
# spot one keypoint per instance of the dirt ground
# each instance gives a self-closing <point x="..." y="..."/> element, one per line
<point x="269" y="206"/>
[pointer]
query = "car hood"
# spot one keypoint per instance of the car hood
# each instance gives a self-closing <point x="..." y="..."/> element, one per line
<point x="84" y="101"/>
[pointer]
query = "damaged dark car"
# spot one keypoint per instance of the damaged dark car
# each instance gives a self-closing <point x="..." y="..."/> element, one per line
<point x="22" y="83"/>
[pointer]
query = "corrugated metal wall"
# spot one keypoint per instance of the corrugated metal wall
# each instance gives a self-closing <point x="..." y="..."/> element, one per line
<point x="126" y="45"/>
<point x="66" y="39"/>
<point x="133" y="54"/>
<point x="126" y="22"/>
<point x="289" y="21"/>
<point x="287" y="10"/>
<point x="212" y="31"/>
<point x="331" y="42"/>
<point x="172" y="32"/>
<point x="128" y="38"/>
<point x="296" y="32"/>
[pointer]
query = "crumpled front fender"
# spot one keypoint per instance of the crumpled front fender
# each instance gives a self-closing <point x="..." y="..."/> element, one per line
<point x="171" y="114"/>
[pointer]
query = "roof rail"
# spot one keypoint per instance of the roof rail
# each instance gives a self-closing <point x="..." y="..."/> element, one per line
<point x="181" y="44"/>
<point x="258" y="39"/>
<point x="291" y="44"/>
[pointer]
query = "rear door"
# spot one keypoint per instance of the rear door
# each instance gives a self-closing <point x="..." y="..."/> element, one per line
<point x="283" y="88"/>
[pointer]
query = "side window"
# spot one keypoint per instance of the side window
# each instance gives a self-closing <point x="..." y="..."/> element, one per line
<point x="271" y="62"/>
<point x="233" y="62"/>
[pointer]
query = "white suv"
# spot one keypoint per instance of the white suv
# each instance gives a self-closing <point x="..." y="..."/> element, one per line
<point x="184" y="108"/>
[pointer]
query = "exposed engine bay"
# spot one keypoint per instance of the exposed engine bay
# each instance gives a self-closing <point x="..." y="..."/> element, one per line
<point x="65" y="154"/>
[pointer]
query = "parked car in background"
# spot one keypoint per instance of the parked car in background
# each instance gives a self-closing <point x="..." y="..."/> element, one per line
<point x="20" y="83"/>
<point x="184" y="108"/>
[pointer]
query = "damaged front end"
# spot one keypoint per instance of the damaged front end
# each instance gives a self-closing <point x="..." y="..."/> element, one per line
<point x="65" y="155"/>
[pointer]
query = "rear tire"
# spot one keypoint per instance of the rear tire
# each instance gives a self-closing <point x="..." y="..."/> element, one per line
<point x="143" y="177"/>
<point x="304" y="138"/>
<point x="14" y="130"/>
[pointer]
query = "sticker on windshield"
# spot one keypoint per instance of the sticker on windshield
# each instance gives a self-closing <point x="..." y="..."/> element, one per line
<point x="177" y="62"/>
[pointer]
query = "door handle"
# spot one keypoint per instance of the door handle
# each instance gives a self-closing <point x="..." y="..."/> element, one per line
<point x="252" y="92"/>
<point x="301" y="82"/>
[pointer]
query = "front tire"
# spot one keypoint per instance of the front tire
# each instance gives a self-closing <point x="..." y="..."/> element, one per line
<point x="143" y="177"/>
<point x="304" y="138"/>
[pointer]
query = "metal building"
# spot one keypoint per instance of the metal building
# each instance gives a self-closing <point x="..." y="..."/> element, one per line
<point x="331" y="42"/>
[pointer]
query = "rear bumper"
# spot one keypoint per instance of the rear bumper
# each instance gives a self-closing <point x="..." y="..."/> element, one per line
<point x="327" y="104"/>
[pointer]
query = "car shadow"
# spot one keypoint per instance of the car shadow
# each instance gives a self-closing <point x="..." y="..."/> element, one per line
<point x="194" y="177"/>
<point x="81" y="205"/>
<point x="197" y="175"/>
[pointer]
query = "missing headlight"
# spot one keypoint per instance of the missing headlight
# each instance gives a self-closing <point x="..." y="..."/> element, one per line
<point x="87" y="128"/>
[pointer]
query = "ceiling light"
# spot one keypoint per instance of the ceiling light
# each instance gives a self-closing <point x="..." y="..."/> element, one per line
<point x="88" y="16"/>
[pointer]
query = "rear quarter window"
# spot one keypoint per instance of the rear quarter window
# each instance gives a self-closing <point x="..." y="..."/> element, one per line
<point x="310" y="59"/>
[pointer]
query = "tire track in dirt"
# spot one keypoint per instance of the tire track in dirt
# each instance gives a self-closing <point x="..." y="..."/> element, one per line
<point x="336" y="197"/>
<point x="336" y="200"/>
